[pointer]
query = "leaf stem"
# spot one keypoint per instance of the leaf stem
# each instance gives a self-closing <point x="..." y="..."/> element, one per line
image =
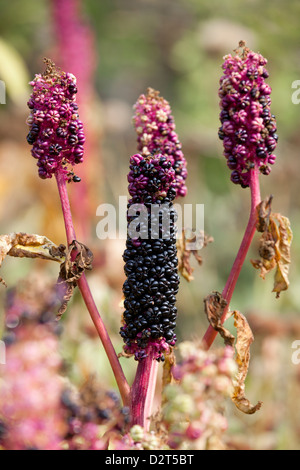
<point x="228" y="290"/>
<point x="88" y="298"/>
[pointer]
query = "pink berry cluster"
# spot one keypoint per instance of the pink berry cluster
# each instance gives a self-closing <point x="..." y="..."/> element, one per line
<point x="39" y="408"/>
<point x="31" y="415"/>
<point x="93" y="416"/>
<point x="56" y="133"/>
<point x="248" y="128"/>
<point x="193" y="411"/>
<point x="155" y="127"/>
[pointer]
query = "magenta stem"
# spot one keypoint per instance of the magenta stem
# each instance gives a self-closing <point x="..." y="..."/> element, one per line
<point x="143" y="391"/>
<point x="228" y="290"/>
<point x="88" y="298"/>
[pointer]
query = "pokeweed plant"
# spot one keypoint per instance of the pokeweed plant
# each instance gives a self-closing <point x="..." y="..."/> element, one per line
<point x="249" y="135"/>
<point x="156" y="177"/>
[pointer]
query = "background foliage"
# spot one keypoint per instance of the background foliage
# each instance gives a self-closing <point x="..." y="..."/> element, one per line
<point x="177" y="47"/>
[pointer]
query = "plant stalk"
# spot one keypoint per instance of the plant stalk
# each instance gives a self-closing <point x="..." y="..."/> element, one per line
<point x="228" y="290"/>
<point x="143" y="391"/>
<point x="88" y="298"/>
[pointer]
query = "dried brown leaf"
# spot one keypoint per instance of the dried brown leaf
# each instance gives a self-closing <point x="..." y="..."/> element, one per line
<point x="274" y="245"/>
<point x="24" y="245"/>
<point x="283" y="253"/>
<point x="169" y="363"/>
<point x="78" y="259"/>
<point x="214" y="305"/>
<point x="264" y="210"/>
<point x="243" y="342"/>
<point x="65" y="292"/>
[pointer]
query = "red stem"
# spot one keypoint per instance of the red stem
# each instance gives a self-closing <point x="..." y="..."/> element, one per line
<point x="143" y="390"/>
<point x="88" y="298"/>
<point x="228" y="290"/>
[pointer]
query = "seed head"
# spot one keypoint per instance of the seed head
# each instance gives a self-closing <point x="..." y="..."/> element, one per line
<point x="248" y="129"/>
<point x="56" y="133"/>
<point x="155" y="127"/>
<point x="151" y="262"/>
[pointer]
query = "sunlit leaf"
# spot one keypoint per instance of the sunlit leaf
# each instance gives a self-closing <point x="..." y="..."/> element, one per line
<point x="243" y="342"/>
<point x="24" y="245"/>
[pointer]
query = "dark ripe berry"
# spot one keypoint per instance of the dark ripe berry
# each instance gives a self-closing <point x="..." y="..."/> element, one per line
<point x="35" y="129"/>
<point x="261" y="152"/>
<point x="265" y="74"/>
<point x="232" y="162"/>
<point x="61" y="132"/>
<point x="252" y="73"/>
<point x="72" y="139"/>
<point x="221" y="134"/>
<point x="266" y="113"/>
<point x="241" y="136"/>
<point x="76" y="179"/>
<point x="31" y="138"/>
<point x="72" y="89"/>
<point x="224" y="115"/>
<point x="78" y="152"/>
<point x="255" y="93"/>
<point x="55" y="149"/>
<point x="73" y="128"/>
<point x="235" y="177"/>
<point x="245" y="103"/>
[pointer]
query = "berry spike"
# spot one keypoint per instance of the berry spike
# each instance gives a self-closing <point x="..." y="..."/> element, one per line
<point x="155" y="127"/>
<point x="248" y="129"/>
<point x="56" y="133"/>
<point x="151" y="261"/>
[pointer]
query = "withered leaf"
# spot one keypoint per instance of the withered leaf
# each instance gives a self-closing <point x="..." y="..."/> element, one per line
<point x="78" y="259"/>
<point x="24" y="245"/>
<point x="214" y="305"/>
<point x="274" y="245"/>
<point x="64" y="292"/>
<point x="264" y="210"/>
<point x="169" y="363"/>
<point x="283" y="253"/>
<point x="185" y="250"/>
<point x="243" y="342"/>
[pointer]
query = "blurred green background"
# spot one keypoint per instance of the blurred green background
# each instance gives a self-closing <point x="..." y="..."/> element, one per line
<point x="175" y="46"/>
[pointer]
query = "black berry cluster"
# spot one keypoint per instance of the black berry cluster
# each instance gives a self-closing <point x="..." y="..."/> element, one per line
<point x="150" y="260"/>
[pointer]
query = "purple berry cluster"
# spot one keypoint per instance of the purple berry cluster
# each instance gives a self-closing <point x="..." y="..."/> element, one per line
<point x="248" y="128"/>
<point x="151" y="261"/>
<point x="56" y="133"/>
<point x="155" y="127"/>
